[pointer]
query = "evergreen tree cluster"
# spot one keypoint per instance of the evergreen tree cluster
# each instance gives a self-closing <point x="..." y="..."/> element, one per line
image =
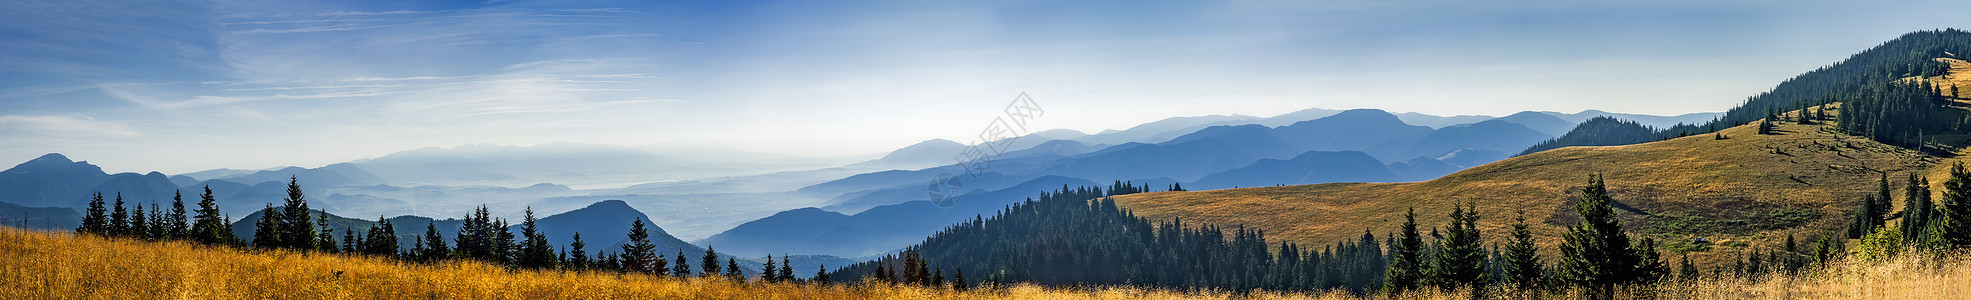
<point x="1077" y="236"/>
<point x="1599" y="131"/>
<point x="1897" y="113"/>
<point x="207" y="226"/>
<point x="157" y="225"/>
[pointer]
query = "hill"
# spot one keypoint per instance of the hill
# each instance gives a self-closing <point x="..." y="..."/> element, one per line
<point x="1750" y="188"/>
<point x="1307" y="168"/>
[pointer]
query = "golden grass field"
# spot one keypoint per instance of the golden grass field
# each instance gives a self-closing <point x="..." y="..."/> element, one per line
<point x="1806" y="172"/>
<point x="51" y="265"/>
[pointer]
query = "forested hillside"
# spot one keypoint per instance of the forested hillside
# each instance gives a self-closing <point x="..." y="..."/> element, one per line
<point x="1881" y="102"/>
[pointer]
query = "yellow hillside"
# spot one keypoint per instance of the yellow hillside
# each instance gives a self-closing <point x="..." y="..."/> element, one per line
<point x="1745" y="192"/>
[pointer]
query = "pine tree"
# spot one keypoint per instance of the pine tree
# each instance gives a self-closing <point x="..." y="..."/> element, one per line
<point x="767" y="273"/>
<point x="159" y="230"/>
<point x="1406" y="262"/>
<point x="140" y="226"/>
<point x="119" y="219"/>
<point x="1954" y="210"/>
<point x="1864" y="221"/>
<point x="1460" y="257"/>
<point x="381" y="240"/>
<point x="1916" y="209"/>
<point x="434" y="244"/>
<point x="325" y="240"/>
<point x="1790" y="246"/>
<point x="821" y="275"/>
<point x="683" y="268"/>
<point x="786" y="269"/>
<point x="638" y="254"/>
<point x="208" y="226"/>
<point x="95" y="222"/>
<point x="578" y="258"/>
<point x="350" y="241"/>
<point x="1596" y="254"/>
<point x="504" y="250"/>
<point x="732" y="270"/>
<point x="1522" y="259"/>
<point x="1686" y="271"/>
<point x="1766" y="125"/>
<point x="937" y="278"/>
<point x="175" y="225"/>
<point x="298" y="231"/>
<point x="535" y="252"/>
<point x="709" y="264"/>
<point x="267" y="232"/>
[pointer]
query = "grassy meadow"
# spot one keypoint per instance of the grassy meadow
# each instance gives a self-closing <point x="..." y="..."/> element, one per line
<point x="49" y="265"/>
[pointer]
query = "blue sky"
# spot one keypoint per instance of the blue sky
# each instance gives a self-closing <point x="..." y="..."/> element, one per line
<point x="186" y="86"/>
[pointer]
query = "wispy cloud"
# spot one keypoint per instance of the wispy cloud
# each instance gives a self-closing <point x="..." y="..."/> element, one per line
<point x="331" y="28"/>
<point x="67" y="124"/>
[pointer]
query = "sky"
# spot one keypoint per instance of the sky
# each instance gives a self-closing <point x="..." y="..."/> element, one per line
<point x="182" y="86"/>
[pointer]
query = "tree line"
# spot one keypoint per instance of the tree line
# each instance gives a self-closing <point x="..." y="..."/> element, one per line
<point x="294" y="227"/>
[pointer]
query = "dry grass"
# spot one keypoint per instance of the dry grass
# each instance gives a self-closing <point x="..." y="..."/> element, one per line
<point x="1905" y="277"/>
<point x="44" y="265"/>
<point x="1747" y="176"/>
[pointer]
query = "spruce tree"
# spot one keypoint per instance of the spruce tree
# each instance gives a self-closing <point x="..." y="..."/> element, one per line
<point x="267" y="231"/>
<point x="767" y="273"/>
<point x="1596" y="255"/>
<point x="683" y="268"/>
<point x="1954" y="210"/>
<point x="95" y="221"/>
<point x="1523" y="268"/>
<point x="140" y="226"/>
<point x="381" y="239"/>
<point x="119" y="219"/>
<point x="638" y="254"/>
<point x="175" y="225"/>
<point x="209" y="226"/>
<point x="325" y="240"/>
<point x="578" y="258"/>
<point x="1460" y="257"/>
<point x="1406" y="258"/>
<point x="709" y="264"/>
<point x="534" y="251"/>
<point x="350" y="241"/>
<point x="1882" y="202"/>
<point x="159" y="229"/>
<point x="732" y="270"/>
<point x="786" y="269"/>
<point x="434" y="244"/>
<point x="821" y="275"/>
<point x="1916" y="209"/>
<point x="504" y="250"/>
<point x="298" y="231"/>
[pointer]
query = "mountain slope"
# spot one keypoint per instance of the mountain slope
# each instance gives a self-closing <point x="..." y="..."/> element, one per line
<point x="50" y="180"/>
<point x="1754" y="188"/>
<point x="1307" y="168"/>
